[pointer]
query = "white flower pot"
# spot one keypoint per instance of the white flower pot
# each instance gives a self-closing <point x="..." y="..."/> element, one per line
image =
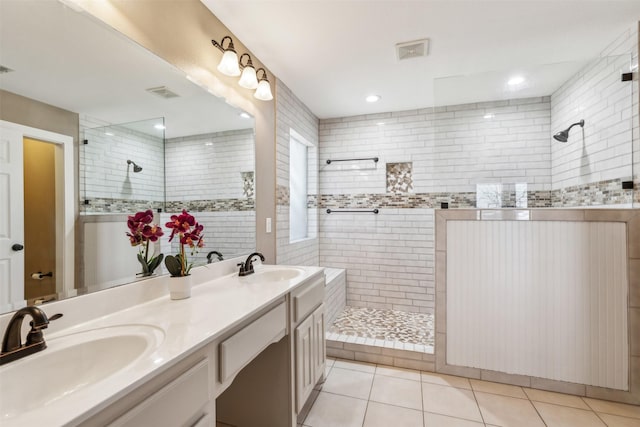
<point x="180" y="287"/>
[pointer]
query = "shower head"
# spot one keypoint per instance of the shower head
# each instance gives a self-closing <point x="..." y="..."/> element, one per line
<point x="136" y="168"/>
<point x="563" y="136"/>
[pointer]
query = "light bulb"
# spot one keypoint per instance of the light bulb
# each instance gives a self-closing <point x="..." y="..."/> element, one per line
<point x="229" y="64"/>
<point x="248" y="80"/>
<point x="263" y="92"/>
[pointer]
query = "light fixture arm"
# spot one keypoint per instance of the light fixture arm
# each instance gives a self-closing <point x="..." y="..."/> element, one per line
<point x="249" y="61"/>
<point x="220" y="45"/>
<point x="264" y="74"/>
<point x="580" y="123"/>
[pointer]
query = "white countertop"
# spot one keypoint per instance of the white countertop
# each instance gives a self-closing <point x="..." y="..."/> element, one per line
<point x="215" y="307"/>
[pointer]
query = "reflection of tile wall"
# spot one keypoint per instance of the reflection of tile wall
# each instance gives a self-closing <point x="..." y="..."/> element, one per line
<point x="248" y="189"/>
<point x="399" y="178"/>
<point x="217" y="205"/>
<point x="206" y="166"/>
<point x="104" y="172"/>
<point x="228" y="232"/>
<point x="103" y="205"/>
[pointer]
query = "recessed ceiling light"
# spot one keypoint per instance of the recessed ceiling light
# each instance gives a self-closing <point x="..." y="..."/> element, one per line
<point x="108" y="133"/>
<point x="516" y="80"/>
<point x="489" y="116"/>
<point x="159" y="126"/>
<point x="245" y="115"/>
<point x="208" y="144"/>
<point x="380" y="123"/>
<point x="373" y="98"/>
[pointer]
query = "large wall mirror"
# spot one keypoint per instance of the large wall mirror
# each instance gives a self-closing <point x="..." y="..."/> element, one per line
<point x="148" y="137"/>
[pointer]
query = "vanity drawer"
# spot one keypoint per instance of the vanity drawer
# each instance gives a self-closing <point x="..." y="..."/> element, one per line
<point x="306" y="299"/>
<point x="240" y="349"/>
<point x="180" y="402"/>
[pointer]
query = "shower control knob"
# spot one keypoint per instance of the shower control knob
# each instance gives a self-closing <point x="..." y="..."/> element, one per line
<point x="17" y="247"/>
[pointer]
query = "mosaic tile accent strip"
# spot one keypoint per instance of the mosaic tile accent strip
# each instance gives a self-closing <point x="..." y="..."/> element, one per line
<point x="385" y="325"/>
<point x="399" y="178"/>
<point x="397" y="201"/>
<point x="282" y="195"/>
<point x="107" y="205"/>
<point x="312" y="201"/>
<point x="607" y="192"/>
<point x="248" y="187"/>
<point x="217" y="205"/>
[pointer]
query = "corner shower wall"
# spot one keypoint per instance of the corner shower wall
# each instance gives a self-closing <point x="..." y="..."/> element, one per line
<point x="437" y="155"/>
<point x="589" y="169"/>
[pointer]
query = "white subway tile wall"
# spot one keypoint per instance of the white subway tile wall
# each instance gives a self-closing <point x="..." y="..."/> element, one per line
<point x="452" y="148"/>
<point x="104" y="172"/>
<point x="210" y="166"/>
<point x="610" y="111"/>
<point x="293" y="114"/>
<point x="389" y="257"/>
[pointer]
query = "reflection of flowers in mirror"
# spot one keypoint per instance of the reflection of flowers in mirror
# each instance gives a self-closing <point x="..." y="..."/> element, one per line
<point x="189" y="233"/>
<point x="141" y="232"/>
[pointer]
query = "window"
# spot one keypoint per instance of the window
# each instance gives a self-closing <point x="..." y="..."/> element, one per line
<point x="298" y="190"/>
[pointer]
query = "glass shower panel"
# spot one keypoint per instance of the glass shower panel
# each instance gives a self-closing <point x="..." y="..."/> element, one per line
<point x="505" y="138"/>
<point x="122" y="168"/>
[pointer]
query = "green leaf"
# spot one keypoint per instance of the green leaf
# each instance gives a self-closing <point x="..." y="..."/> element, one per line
<point x="174" y="265"/>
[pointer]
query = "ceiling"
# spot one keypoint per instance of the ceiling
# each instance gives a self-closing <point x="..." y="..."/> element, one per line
<point x="65" y="58"/>
<point x="332" y="54"/>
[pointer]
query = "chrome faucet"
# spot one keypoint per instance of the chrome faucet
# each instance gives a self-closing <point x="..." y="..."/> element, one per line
<point x="246" y="267"/>
<point x="12" y="347"/>
<point x="211" y="254"/>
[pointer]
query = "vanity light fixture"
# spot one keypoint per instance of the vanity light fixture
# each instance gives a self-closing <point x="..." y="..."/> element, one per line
<point x="263" y="92"/>
<point x="248" y="79"/>
<point x="229" y="62"/>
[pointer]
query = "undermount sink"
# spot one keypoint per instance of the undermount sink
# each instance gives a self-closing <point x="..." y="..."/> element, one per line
<point x="71" y="363"/>
<point x="275" y="274"/>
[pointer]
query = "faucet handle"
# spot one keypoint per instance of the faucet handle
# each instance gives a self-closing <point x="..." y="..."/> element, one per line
<point x="242" y="271"/>
<point x="35" y="334"/>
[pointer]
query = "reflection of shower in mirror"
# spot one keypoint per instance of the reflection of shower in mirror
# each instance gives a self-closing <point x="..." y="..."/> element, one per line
<point x="136" y="168"/>
<point x="563" y="136"/>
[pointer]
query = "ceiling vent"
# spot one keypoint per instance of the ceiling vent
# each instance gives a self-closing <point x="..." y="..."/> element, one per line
<point x="5" y="70"/>
<point x="414" y="49"/>
<point x="163" y="92"/>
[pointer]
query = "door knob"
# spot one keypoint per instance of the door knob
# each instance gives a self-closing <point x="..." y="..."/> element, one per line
<point x="17" y="247"/>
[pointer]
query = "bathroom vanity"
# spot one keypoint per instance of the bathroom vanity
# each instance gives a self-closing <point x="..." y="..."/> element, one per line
<point x="245" y="351"/>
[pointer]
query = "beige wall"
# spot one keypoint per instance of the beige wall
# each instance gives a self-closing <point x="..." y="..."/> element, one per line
<point x="180" y="32"/>
<point x="29" y="112"/>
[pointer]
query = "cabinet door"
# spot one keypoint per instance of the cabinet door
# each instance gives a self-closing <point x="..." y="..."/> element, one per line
<point x="319" y="349"/>
<point x="305" y="378"/>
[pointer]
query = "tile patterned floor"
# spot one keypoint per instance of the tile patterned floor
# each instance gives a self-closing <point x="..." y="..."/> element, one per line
<point x="358" y="394"/>
<point x="379" y="327"/>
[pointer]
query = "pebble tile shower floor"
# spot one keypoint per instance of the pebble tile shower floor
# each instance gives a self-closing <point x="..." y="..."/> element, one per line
<point x="384" y="328"/>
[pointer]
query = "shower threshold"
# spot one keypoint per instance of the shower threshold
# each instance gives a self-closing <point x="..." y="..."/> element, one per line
<point x="389" y="329"/>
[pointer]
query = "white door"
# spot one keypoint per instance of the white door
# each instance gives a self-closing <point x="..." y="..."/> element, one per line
<point x="11" y="220"/>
